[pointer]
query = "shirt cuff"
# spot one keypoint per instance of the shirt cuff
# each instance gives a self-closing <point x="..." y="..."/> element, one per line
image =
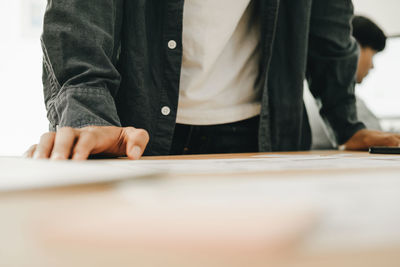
<point x="79" y="107"/>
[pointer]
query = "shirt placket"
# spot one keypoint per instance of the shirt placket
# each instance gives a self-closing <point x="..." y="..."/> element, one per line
<point x="172" y="61"/>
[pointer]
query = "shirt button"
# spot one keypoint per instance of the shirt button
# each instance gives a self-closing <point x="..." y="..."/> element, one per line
<point x="165" y="111"/>
<point x="172" y="44"/>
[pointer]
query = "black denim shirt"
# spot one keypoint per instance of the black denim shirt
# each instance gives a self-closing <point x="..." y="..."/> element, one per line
<point x="108" y="62"/>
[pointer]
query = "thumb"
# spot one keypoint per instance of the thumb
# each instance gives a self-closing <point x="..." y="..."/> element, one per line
<point x="136" y="141"/>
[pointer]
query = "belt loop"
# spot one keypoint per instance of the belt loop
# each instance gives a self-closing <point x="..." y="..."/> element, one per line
<point x="186" y="148"/>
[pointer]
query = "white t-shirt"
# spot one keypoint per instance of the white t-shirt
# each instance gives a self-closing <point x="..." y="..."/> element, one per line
<point x="220" y="62"/>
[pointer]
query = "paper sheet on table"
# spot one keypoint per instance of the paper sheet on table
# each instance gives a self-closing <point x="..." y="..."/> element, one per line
<point x="24" y="174"/>
<point x="268" y="162"/>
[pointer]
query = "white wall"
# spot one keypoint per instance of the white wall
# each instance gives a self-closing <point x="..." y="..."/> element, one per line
<point x="386" y="13"/>
<point x="22" y="113"/>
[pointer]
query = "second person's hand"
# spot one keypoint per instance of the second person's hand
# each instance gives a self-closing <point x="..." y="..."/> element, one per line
<point x="364" y="139"/>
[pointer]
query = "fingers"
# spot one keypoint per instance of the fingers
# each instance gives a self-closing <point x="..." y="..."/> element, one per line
<point x="63" y="143"/>
<point x="364" y="139"/>
<point x="389" y="140"/>
<point x="375" y="138"/>
<point x="86" y="143"/>
<point x="79" y="144"/>
<point x="29" y="152"/>
<point x="136" y="141"/>
<point x="45" y="146"/>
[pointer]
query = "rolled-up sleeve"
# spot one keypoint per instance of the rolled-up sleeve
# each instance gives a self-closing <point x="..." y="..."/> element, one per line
<point x="332" y="65"/>
<point x="80" y="42"/>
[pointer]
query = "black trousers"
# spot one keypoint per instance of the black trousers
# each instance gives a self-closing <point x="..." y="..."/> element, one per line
<point x="237" y="137"/>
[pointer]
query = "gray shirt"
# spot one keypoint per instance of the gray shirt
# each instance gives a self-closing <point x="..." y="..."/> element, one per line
<point x="322" y="134"/>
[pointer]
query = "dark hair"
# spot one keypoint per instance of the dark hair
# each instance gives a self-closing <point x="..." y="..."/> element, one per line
<point x="368" y="34"/>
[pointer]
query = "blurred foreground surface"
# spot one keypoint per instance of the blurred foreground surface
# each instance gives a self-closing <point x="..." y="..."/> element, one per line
<point x="298" y="217"/>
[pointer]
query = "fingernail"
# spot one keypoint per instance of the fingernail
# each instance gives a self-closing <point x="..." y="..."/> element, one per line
<point x="136" y="152"/>
<point x="78" y="157"/>
<point x="35" y="155"/>
<point x="57" y="156"/>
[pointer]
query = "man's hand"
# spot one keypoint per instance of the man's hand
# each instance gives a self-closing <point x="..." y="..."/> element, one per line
<point x="364" y="139"/>
<point x="78" y="144"/>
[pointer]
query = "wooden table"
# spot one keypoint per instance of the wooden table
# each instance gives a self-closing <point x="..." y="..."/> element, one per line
<point x="29" y="220"/>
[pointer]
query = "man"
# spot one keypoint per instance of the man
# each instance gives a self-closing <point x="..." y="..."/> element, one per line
<point x="371" y="40"/>
<point x="198" y="76"/>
